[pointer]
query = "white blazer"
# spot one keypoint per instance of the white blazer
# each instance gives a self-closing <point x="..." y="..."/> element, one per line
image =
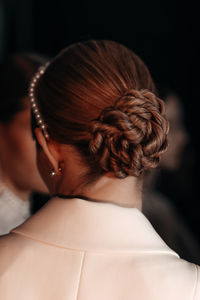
<point x="82" y="250"/>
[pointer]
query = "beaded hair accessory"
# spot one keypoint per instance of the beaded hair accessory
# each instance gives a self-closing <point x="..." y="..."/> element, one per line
<point x="34" y="105"/>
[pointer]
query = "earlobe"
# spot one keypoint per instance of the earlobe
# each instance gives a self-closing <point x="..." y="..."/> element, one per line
<point x="49" y="149"/>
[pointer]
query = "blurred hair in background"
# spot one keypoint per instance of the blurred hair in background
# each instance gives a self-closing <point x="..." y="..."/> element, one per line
<point x="16" y="72"/>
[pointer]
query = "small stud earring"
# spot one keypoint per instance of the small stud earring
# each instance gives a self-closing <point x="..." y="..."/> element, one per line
<point x="52" y="173"/>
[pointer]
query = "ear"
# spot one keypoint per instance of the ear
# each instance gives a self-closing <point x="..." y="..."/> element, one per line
<point x="50" y="148"/>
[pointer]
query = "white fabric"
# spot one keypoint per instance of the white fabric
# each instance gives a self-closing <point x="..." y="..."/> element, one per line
<point x="82" y="250"/>
<point x="13" y="210"/>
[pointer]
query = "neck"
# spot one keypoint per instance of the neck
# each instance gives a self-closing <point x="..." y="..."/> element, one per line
<point x="124" y="192"/>
<point x="22" y="194"/>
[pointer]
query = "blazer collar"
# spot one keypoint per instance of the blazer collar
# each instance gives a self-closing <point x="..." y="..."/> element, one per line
<point x="91" y="226"/>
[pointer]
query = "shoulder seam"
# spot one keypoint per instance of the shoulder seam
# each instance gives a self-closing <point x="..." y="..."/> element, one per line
<point x="106" y="251"/>
<point x="80" y="276"/>
<point x="196" y="284"/>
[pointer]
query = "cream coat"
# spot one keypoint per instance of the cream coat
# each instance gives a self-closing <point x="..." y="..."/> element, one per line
<point x="77" y="249"/>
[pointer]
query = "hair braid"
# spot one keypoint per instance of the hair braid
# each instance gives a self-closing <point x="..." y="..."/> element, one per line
<point x="130" y="136"/>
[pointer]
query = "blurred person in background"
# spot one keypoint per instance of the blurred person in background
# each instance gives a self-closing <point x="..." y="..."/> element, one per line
<point x="19" y="176"/>
<point x="178" y="135"/>
<point x="159" y="208"/>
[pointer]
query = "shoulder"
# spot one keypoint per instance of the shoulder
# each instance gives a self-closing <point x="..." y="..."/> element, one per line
<point x="162" y="274"/>
<point x="10" y="246"/>
<point x="9" y="250"/>
<point x="177" y="277"/>
<point x="140" y="276"/>
<point x="14" y="249"/>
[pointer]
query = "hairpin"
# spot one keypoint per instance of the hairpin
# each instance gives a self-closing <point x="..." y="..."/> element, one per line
<point x="34" y="106"/>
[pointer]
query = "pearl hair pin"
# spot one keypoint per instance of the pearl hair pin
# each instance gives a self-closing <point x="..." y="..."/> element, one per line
<point x="34" y="105"/>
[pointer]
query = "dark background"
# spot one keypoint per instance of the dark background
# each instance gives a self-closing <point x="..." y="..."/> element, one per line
<point x="165" y="34"/>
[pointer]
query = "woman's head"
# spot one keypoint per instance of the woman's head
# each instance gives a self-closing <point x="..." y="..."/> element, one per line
<point x="17" y="148"/>
<point x="99" y="97"/>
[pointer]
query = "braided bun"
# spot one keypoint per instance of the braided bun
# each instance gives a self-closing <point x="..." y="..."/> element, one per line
<point x="130" y="136"/>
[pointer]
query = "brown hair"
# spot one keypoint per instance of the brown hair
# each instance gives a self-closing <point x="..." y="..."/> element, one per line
<point x="16" y="71"/>
<point x="99" y="96"/>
